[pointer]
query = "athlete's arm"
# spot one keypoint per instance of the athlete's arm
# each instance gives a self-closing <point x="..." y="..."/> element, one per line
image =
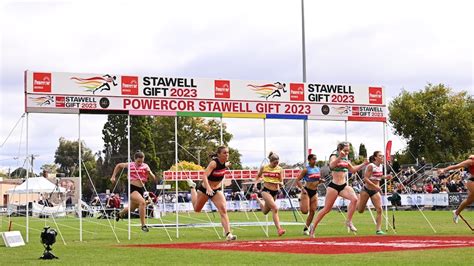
<point x="117" y="168"/>
<point x="334" y="160"/>
<point x="151" y="173"/>
<point x="356" y="168"/>
<point x="464" y="164"/>
<point x="257" y="179"/>
<point x="298" y="180"/>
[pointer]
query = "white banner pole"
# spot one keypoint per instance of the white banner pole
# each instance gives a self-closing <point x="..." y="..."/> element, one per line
<point x="80" y="176"/>
<point x="385" y="172"/>
<point x="222" y="132"/>
<point x="128" y="177"/>
<point x="27" y="175"/>
<point x="176" y="174"/>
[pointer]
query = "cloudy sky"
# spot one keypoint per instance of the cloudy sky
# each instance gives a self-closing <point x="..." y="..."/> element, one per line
<point x="397" y="44"/>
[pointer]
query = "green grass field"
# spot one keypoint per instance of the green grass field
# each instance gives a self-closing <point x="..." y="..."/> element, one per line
<point x="99" y="246"/>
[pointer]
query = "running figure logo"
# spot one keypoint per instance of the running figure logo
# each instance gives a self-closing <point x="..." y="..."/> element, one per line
<point x="43" y="100"/>
<point x="96" y="83"/>
<point x="269" y="90"/>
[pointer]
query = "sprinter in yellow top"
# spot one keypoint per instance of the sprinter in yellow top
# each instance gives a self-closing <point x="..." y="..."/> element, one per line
<point x="272" y="175"/>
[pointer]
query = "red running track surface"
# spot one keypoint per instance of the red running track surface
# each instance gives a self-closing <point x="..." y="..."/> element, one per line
<point x="331" y="245"/>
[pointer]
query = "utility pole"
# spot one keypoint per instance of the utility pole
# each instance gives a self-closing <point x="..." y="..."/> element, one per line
<point x="199" y="149"/>
<point x="33" y="157"/>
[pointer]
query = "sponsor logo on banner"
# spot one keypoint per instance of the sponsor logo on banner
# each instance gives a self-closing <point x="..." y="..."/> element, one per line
<point x="43" y="100"/>
<point x="222" y="89"/>
<point x="41" y="82"/>
<point x="104" y="102"/>
<point x="342" y="110"/>
<point x="296" y="91"/>
<point x="60" y="101"/>
<point x="375" y="95"/>
<point x="97" y="83"/>
<point x="81" y="102"/>
<point x="268" y="90"/>
<point x="129" y="85"/>
<point x="367" y="111"/>
<point x="325" y="109"/>
<point x="355" y="110"/>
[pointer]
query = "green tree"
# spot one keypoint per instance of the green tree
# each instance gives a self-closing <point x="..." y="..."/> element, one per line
<point x="197" y="138"/>
<point x="116" y="143"/>
<point x="362" y="151"/>
<point x="18" y="173"/>
<point x="141" y="139"/>
<point x="436" y="122"/>
<point x="116" y="146"/>
<point x="186" y="166"/>
<point x="234" y="158"/>
<point x="352" y="152"/>
<point x="114" y="135"/>
<point x="3" y="173"/>
<point x="67" y="156"/>
<point x="50" y="168"/>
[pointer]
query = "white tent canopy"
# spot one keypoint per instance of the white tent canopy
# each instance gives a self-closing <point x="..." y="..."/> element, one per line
<point x="36" y="185"/>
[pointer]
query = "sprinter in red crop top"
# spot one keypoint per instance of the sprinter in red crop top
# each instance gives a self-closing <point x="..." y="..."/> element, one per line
<point x="469" y="164"/>
<point x="139" y="172"/>
<point x="211" y="186"/>
<point x="373" y="174"/>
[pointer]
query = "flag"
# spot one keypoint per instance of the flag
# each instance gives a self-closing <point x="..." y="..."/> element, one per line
<point x="388" y="150"/>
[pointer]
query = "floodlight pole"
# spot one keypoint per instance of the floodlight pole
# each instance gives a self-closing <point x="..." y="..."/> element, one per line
<point x="303" y="48"/>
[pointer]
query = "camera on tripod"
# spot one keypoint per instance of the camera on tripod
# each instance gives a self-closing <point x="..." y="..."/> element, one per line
<point x="395" y="199"/>
<point x="48" y="238"/>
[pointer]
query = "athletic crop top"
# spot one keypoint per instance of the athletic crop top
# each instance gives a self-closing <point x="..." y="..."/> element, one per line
<point x="139" y="172"/>
<point x="218" y="173"/>
<point x="342" y="166"/>
<point x="271" y="175"/>
<point x="377" y="172"/>
<point x="312" y="174"/>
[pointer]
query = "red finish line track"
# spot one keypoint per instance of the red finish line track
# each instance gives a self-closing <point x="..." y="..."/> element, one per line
<point x="332" y="245"/>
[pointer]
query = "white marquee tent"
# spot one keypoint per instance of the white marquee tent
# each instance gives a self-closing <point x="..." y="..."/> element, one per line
<point x="36" y="185"/>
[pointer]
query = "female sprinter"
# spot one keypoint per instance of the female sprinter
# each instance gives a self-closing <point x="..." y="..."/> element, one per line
<point x="469" y="163"/>
<point x="210" y="188"/>
<point x="309" y="193"/>
<point x="372" y="176"/>
<point x="139" y="172"/>
<point x="272" y="175"/>
<point x="340" y="165"/>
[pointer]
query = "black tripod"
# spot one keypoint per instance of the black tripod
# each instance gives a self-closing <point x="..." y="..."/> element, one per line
<point x="47" y="255"/>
